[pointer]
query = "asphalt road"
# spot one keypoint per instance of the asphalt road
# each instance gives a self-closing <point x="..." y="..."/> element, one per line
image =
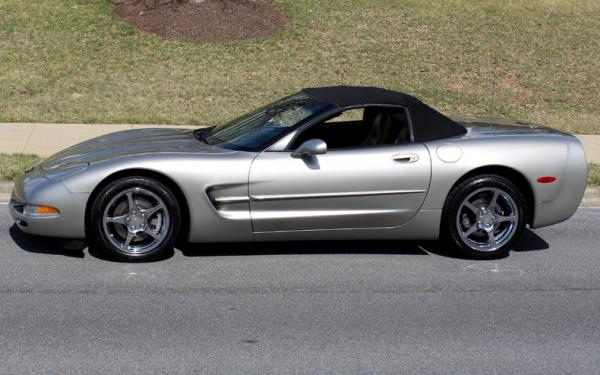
<point x="323" y="307"/>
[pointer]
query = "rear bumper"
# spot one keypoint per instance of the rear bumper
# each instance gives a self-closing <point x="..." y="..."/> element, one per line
<point x="568" y="195"/>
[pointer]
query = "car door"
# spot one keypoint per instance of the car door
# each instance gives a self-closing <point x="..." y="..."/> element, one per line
<point x="362" y="187"/>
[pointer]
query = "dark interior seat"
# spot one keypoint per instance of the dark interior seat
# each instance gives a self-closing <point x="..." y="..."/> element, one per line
<point x="384" y="130"/>
<point x="400" y="118"/>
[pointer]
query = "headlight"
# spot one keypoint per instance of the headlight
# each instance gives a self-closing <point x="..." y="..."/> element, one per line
<point x="66" y="172"/>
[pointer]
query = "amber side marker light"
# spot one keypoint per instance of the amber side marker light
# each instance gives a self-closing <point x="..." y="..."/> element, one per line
<point x="40" y="210"/>
<point x="546" y="179"/>
<point x="46" y="210"/>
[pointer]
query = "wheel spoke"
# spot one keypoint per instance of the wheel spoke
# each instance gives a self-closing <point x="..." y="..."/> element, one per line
<point x="472" y="229"/>
<point x="128" y="240"/>
<point x="492" y="204"/>
<point x="151" y="233"/>
<point x="491" y="238"/>
<point x="117" y="219"/>
<point x="510" y="218"/>
<point x="470" y="206"/>
<point x="130" y="202"/>
<point x="152" y="210"/>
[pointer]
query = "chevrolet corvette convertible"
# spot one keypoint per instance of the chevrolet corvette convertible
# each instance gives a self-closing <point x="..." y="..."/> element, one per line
<point x="324" y="163"/>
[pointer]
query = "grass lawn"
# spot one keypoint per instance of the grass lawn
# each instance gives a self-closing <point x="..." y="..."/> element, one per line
<point x="12" y="165"/>
<point x="537" y="60"/>
<point x="594" y="174"/>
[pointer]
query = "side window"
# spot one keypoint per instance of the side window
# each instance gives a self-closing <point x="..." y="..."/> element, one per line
<point x="360" y="127"/>
<point x="354" y="114"/>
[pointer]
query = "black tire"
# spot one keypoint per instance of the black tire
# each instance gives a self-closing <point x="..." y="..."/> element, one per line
<point x="141" y="190"/>
<point x="472" y="193"/>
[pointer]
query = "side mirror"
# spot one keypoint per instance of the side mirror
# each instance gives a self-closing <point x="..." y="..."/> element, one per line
<point x="310" y="148"/>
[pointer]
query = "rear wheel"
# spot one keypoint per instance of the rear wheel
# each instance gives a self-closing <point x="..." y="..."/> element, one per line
<point x="134" y="219"/>
<point x="484" y="216"/>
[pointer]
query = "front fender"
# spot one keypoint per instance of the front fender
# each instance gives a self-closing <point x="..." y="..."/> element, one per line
<point x="200" y="177"/>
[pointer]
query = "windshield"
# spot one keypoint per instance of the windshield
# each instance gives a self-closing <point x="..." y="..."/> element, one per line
<point x="259" y="129"/>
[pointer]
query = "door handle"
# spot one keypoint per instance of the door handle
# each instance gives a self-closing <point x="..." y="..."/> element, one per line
<point x="405" y="158"/>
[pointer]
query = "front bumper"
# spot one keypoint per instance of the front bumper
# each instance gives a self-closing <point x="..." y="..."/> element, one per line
<point x="35" y="188"/>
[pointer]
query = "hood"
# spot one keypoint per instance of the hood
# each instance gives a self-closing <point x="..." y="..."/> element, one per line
<point x="126" y="143"/>
<point x="489" y="127"/>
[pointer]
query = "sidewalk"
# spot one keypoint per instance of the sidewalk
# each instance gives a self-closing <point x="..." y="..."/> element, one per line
<point x="591" y="144"/>
<point x="46" y="139"/>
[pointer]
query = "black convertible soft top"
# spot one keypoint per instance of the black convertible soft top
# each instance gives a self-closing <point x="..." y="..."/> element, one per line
<point x="428" y="124"/>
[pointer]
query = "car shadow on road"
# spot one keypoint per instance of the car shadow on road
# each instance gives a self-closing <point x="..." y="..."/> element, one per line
<point x="42" y="245"/>
<point x="303" y="247"/>
<point x="529" y="241"/>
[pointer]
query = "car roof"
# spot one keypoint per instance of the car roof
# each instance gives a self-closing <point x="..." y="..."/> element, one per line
<point x="427" y="123"/>
<point x="357" y="95"/>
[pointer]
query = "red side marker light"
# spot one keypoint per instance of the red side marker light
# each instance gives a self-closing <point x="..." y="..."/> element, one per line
<point x="546" y="179"/>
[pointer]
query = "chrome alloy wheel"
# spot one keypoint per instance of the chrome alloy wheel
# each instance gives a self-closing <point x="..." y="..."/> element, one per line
<point x="487" y="219"/>
<point x="136" y="221"/>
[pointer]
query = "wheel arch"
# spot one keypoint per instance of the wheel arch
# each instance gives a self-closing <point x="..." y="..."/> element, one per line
<point x="167" y="181"/>
<point x="513" y="175"/>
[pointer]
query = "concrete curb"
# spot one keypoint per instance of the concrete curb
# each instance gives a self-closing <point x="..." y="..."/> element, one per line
<point x="5" y="189"/>
<point x="591" y="197"/>
<point x="591" y="145"/>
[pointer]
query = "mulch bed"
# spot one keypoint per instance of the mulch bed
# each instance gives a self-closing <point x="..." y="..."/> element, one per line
<point x="207" y="21"/>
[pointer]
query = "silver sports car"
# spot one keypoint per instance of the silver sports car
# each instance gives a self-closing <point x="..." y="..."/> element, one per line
<point x="325" y="163"/>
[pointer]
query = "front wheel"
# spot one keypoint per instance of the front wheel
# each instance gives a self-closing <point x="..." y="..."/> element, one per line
<point x="484" y="216"/>
<point x="134" y="219"/>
